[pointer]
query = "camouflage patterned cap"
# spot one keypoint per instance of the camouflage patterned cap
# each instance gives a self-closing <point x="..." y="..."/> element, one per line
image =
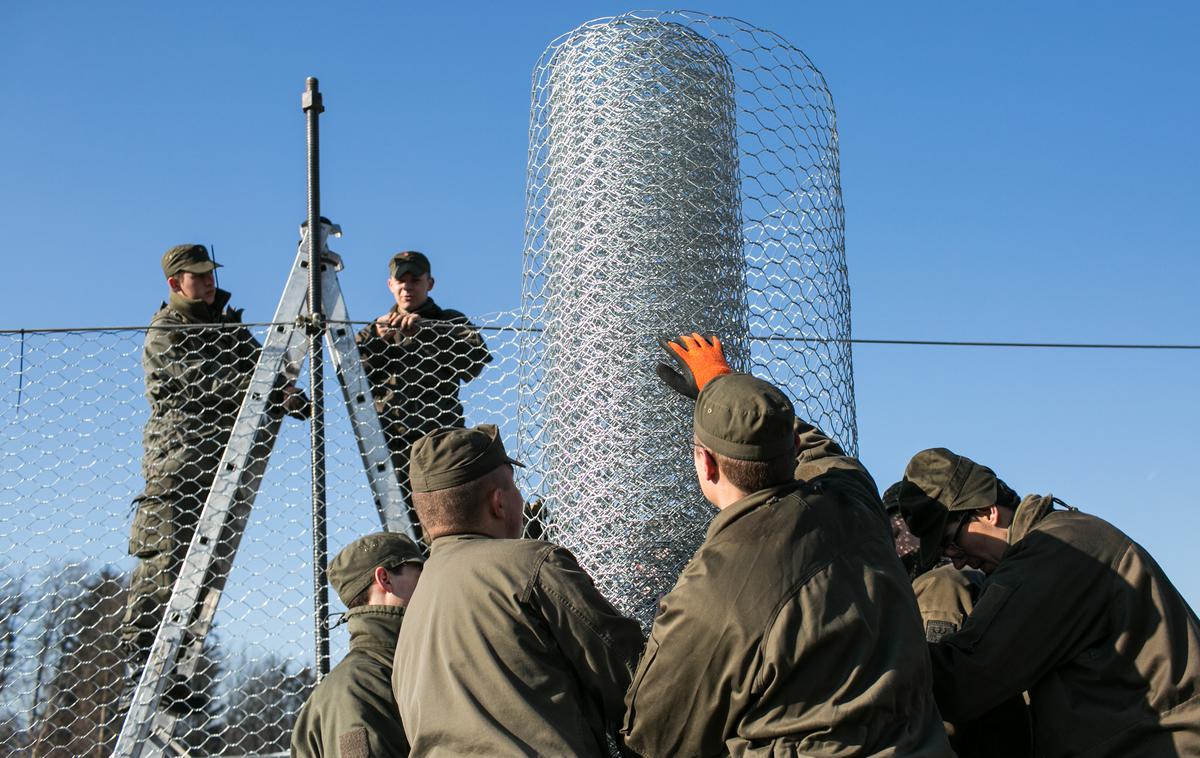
<point x="742" y="417"/>
<point x="410" y="261"/>
<point x="354" y="568"/>
<point x="938" y="482"/>
<point x="192" y="258"/>
<point x="452" y="456"/>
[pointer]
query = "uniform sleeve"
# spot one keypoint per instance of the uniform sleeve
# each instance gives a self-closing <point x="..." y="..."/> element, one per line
<point x="194" y="378"/>
<point x="1037" y="610"/>
<point x="677" y="704"/>
<point x="821" y="461"/>
<point x="378" y="360"/>
<point x="602" y="644"/>
<point x="817" y="454"/>
<point x="457" y="344"/>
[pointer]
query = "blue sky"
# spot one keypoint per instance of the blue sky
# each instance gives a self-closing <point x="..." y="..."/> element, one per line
<point x="1010" y="172"/>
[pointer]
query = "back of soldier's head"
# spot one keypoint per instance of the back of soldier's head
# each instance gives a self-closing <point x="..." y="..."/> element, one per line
<point x="749" y="426"/>
<point x="452" y="473"/>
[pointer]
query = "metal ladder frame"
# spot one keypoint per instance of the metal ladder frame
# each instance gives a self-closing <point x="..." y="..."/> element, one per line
<point x="149" y="729"/>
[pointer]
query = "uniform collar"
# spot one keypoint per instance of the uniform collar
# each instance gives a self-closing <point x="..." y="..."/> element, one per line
<point x="747" y="504"/>
<point x="198" y="311"/>
<point x="1031" y="510"/>
<point x="441" y="543"/>
<point x="374" y="626"/>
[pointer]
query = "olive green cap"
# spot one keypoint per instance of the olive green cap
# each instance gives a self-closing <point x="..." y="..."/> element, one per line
<point x="938" y="482"/>
<point x="742" y="417"/>
<point x="354" y="568"/>
<point x="409" y="261"/>
<point x="190" y="258"/>
<point x="452" y="456"/>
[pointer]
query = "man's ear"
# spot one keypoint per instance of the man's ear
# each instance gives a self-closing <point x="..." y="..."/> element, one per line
<point x="430" y="281"/>
<point x="992" y="515"/>
<point x="173" y="284"/>
<point x="381" y="578"/>
<point x="495" y="504"/>
<point x="708" y="467"/>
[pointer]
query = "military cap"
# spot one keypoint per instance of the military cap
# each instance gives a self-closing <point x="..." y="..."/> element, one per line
<point x="938" y="482"/>
<point x="742" y="417"/>
<point x="452" y="456"/>
<point x="354" y="568"/>
<point x="410" y="261"/>
<point x="191" y="258"/>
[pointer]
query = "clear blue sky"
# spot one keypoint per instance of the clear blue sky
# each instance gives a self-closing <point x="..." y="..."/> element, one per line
<point x="1021" y="171"/>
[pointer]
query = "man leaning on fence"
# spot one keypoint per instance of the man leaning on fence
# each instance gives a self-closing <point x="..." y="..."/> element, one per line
<point x="416" y="356"/>
<point x="198" y="361"/>
<point x="352" y="711"/>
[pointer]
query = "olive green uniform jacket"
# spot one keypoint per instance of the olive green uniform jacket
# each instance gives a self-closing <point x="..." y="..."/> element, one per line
<point x="946" y="597"/>
<point x="792" y="631"/>
<point x="195" y="381"/>
<point x="1082" y="618"/>
<point x="352" y="713"/>
<point x="509" y="649"/>
<point x="415" y="380"/>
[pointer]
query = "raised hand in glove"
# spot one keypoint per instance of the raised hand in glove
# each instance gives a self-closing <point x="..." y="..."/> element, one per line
<point x="701" y="361"/>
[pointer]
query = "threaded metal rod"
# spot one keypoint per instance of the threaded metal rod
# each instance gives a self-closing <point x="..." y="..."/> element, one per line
<point x="313" y="107"/>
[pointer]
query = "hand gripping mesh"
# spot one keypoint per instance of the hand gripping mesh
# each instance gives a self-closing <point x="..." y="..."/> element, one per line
<point x="683" y="175"/>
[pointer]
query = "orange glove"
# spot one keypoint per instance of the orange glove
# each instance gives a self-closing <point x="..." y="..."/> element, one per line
<point x="703" y="360"/>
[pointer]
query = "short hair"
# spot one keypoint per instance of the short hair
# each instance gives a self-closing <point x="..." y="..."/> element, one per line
<point x="752" y="476"/>
<point x="361" y="598"/>
<point x="456" y="508"/>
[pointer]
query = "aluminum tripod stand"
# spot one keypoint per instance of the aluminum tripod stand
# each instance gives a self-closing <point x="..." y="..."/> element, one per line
<point x="149" y="729"/>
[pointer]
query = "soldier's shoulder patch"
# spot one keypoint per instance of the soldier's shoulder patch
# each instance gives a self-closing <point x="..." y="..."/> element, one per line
<point x="935" y="631"/>
<point x="353" y="744"/>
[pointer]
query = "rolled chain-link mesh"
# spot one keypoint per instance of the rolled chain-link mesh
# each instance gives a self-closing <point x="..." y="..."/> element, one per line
<point x="683" y="175"/>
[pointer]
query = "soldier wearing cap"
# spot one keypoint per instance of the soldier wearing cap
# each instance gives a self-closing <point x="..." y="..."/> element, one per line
<point x="793" y="630"/>
<point x="1073" y="611"/>
<point x="195" y="379"/>
<point x="352" y="711"/>
<point x="416" y="357"/>
<point x="946" y="595"/>
<point x="508" y="648"/>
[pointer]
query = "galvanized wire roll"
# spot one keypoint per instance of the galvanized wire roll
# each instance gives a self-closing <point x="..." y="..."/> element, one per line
<point x="668" y="192"/>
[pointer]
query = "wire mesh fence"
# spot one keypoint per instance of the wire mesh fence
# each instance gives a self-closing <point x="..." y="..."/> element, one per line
<point x="83" y="455"/>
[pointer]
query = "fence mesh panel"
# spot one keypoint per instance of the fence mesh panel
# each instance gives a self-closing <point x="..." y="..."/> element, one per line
<point x="72" y="414"/>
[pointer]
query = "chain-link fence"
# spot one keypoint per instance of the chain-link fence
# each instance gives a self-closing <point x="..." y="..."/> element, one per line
<point x="85" y="460"/>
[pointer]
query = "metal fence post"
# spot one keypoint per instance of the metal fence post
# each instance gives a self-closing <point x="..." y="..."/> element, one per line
<point x="313" y="107"/>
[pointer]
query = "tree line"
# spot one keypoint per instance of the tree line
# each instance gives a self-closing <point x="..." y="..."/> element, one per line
<point x="63" y="673"/>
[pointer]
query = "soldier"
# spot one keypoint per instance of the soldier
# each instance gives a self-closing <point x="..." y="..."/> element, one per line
<point x="1072" y="611"/>
<point x="195" y="381"/>
<point x="508" y="648"/>
<point x="416" y="356"/>
<point x="352" y="711"/>
<point x="946" y="595"/>
<point x="793" y="629"/>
